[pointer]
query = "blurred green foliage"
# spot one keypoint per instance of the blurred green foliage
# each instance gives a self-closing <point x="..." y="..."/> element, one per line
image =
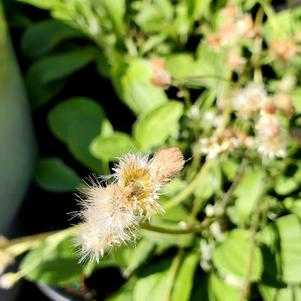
<point x="169" y="63"/>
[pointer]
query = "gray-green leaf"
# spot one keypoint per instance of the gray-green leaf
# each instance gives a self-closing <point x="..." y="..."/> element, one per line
<point x="52" y="174"/>
<point x="76" y="122"/>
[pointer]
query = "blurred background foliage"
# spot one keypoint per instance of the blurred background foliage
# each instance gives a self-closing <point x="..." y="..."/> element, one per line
<point x="110" y="77"/>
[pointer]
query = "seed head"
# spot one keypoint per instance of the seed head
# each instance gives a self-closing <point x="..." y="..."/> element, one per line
<point x="166" y="164"/>
<point x="270" y="140"/>
<point x="111" y="214"/>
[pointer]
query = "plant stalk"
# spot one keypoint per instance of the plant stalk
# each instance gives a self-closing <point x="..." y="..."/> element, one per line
<point x="183" y="195"/>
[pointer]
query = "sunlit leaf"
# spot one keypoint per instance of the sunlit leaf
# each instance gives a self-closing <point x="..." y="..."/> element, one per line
<point x="283" y="239"/>
<point x="154" y="128"/>
<point x="184" y="280"/>
<point x="135" y="88"/>
<point x="231" y="257"/>
<point x="112" y="147"/>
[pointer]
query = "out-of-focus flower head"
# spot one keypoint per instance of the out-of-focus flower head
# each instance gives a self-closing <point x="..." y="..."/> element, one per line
<point x="161" y="77"/>
<point x="270" y="139"/>
<point x="248" y="101"/>
<point x="233" y="27"/>
<point x="219" y="143"/>
<point x="287" y="83"/>
<point x="235" y="62"/>
<point x="284" y="104"/>
<point x="283" y="50"/>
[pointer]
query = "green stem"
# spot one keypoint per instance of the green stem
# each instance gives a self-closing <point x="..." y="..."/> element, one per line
<point x="172" y="274"/>
<point x="245" y="290"/>
<point x="20" y="245"/>
<point x="183" y="195"/>
<point x="221" y="208"/>
<point x="192" y="229"/>
<point x="189" y="79"/>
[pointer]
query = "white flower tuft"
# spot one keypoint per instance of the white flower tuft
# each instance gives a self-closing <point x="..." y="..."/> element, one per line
<point x="111" y="215"/>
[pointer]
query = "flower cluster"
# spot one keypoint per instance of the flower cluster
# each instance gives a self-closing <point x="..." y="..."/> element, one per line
<point x="111" y="214"/>
<point x="219" y="143"/>
<point x="284" y="50"/>
<point x="234" y="26"/>
<point x="270" y="138"/>
<point x="248" y="101"/>
<point x="263" y="130"/>
<point x="253" y="103"/>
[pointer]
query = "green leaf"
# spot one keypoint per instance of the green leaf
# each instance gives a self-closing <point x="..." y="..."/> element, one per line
<point x="52" y="262"/>
<point x="204" y="71"/>
<point x="52" y="174"/>
<point x="76" y="121"/>
<point x="282" y="25"/>
<point x="219" y="290"/>
<point x="181" y="65"/>
<point x="229" y="168"/>
<point x="211" y="65"/>
<point x="39" y="38"/>
<point x="112" y="147"/>
<point x="130" y="258"/>
<point x="153" y="284"/>
<point x="45" y="76"/>
<point x="154" y="128"/>
<point x="283" y="238"/>
<point x="123" y="294"/>
<point x="135" y="88"/>
<point x="296" y="96"/>
<point x="288" y="293"/>
<point x="231" y="257"/>
<point x="286" y="185"/>
<point x="293" y="205"/>
<point x="210" y="183"/>
<point x="184" y="280"/>
<point x="197" y="8"/>
<point x="63" y="64"/>
<point x="155" y="16"/>
<point x="175" y="214"/>
<point x="166" y="241"/>
<point x="45" y="4"/>
<point x="247" y="193"/>
<point x="116" y="11"/>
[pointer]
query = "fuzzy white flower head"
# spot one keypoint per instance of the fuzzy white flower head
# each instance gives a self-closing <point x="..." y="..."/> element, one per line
<point x="111" y="215"/>
<point x="249" y="101"/>
<point x="235" y="61"/>
<point x="106" y="221"/>
<point x="270" y="140"/>
<point x="218" y="144"/>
